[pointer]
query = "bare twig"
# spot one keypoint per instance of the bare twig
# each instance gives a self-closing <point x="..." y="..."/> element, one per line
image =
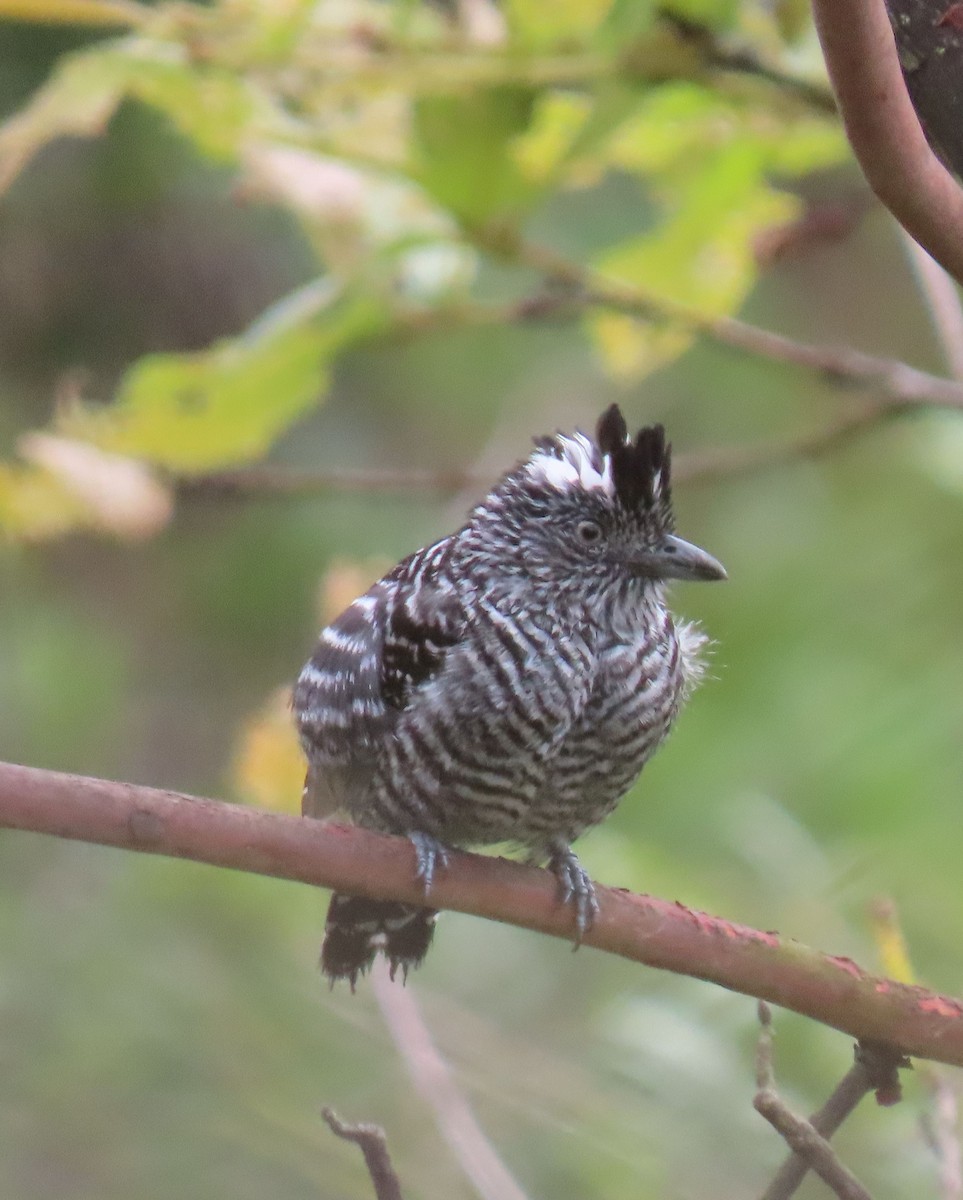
<point x="843" y="364"/>
<point x="696" y="467"/>
<point x="374" y="1147"/>
<point x="883" y="128"/>
<point x="286" y="482"/>
<point x="874" y="1069"/>
<point x="801" y="1135"/>
<point x="645" y="929"/>
<point x="433" y="1078"/>
<point x="942" y="302"/>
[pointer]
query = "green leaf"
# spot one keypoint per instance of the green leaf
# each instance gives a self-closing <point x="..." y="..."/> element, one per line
<point x="73" y="12"/>
<point x="225" y="405"/>
<point x="78" y="100"/>
<point x="462" y="152"/>
<point x="714" y="14"/>
<point x="35" y="505"/>
<point x="533" y="22"/>
<point x="211" y="106"/>
<point x="701" y="259"/>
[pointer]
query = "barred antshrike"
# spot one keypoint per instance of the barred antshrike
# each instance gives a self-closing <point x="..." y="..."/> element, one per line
<point x="509" y="682"/>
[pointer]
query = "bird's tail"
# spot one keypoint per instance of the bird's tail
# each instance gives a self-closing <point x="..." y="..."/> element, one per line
<point x="357" y="928"/>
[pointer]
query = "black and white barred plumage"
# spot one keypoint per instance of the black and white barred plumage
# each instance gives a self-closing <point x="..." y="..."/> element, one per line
<point x="509" y="682"/>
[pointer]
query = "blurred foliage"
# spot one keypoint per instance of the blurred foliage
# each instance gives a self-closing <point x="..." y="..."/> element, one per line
<point x="215" y="217"/>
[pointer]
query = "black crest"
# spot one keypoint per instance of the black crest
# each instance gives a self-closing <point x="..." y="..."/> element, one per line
<point x="640" y="469"/>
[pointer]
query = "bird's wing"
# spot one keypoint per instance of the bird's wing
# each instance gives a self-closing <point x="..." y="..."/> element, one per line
<point x="339" y="706"/>
<point x="367" y="665"/>
<point x="422" y="627"/>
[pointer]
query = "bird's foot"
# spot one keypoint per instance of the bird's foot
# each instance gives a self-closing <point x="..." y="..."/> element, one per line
<point x="575" y="887"/>
<point x="429" y="854"/>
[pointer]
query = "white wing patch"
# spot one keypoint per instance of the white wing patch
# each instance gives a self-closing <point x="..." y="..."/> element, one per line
<point x="575" y="464"/>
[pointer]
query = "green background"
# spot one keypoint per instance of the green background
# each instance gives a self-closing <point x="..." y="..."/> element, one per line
<point x="163" y="1028"/>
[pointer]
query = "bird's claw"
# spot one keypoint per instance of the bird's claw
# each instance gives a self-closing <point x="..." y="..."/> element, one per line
<point x="429" y="854"/>
<point x="575" y="887"/>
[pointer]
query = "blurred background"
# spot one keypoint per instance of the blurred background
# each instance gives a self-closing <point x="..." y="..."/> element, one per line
<point x="163" y="1027"/>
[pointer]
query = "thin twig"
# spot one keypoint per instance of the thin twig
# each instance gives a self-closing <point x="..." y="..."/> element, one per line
<point x="884" y="130"/>
<point x="267" y="482"/>
<point x="874" y="1069"/>
<point x="843" y="364"/>
<point x="433" y="1078"/>
<point x="942" y="303"/>
<point x="801" y="1135"/>
<point x="374" y="1147"/>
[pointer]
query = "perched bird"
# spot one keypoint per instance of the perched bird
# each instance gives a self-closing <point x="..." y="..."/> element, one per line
<point x="507" y="683"/>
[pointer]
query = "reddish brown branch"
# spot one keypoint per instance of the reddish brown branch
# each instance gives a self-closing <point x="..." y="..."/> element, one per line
<point x="884" y="130"/>
<point x="645" y="929"/>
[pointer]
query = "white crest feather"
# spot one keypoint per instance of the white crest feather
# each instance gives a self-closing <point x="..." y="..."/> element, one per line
<point x="575" y="463"/>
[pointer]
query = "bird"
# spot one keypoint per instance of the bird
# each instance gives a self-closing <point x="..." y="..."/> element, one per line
<point x="507" y="683"/>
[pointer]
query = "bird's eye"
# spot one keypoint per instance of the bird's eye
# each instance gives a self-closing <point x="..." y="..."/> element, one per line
<point x="589" y="532"/>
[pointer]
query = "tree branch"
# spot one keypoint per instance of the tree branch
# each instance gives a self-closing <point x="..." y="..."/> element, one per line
<point x="810" y="1147"/>
<point x="884" y="130"/>
<point x="874" y="1069"/>
<point x="645" y="929"/>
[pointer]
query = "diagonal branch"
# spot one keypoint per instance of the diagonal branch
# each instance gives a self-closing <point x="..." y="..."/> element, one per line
<point x="809" y="1144"/>
<point x="645" y="929"/>
<point x="432" y="1076"/>
<point x="883" y="128"/>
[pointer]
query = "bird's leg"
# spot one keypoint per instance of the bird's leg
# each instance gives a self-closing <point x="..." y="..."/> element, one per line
<point x="575" y="886"/>
<point x="429" y="854"/>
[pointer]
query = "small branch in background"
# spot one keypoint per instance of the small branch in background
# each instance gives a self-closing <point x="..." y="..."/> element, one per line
<point x="942" y="302"/>
<point x="726" y="462"/>
<point x="741" y="61"/>
<point x="842" y="364"/>
<point x="884" y="130"/>
<point x="810" y="1148"/>
<point x="374" y="1147"/>
<point x="267" y="482"/>
<point x="433" y="1078"/>
<point x="874" y="1069"/>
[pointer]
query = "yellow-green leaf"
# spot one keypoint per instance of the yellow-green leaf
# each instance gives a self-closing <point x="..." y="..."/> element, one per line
<point x="73" y="12"/>
<point x="213" y="107"/>
<point x="268" y="767"/>
<point x="700" y="259"/>
<point x="35" y="505"/>
<point x="78" y="100"/>
<point x="462" y="151"/>
<point x="536" y="22"/>
<point x="194" y="412"/>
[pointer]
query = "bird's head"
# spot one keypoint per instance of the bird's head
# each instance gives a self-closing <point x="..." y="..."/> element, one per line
<point x="592" y="509"/>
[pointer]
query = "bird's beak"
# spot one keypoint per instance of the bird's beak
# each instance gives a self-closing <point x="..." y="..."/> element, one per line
<point x="677" y="559"/>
